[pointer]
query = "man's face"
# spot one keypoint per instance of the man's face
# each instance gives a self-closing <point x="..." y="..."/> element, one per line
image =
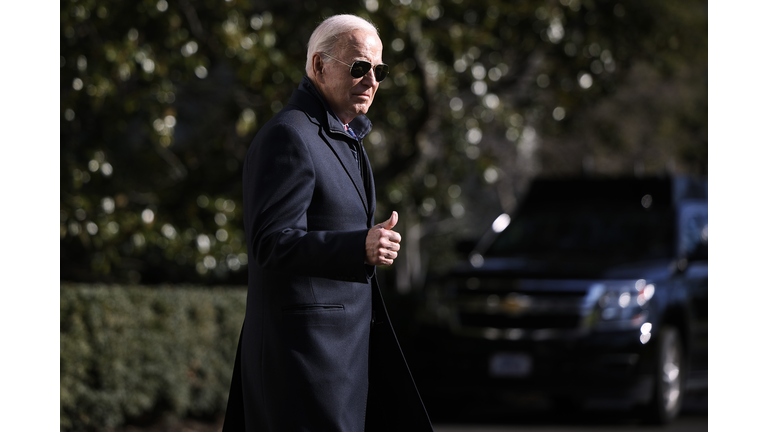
<point x="350" y="97"/>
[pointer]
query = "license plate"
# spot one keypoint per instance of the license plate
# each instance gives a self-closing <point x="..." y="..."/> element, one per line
<point x="509" y="365"/>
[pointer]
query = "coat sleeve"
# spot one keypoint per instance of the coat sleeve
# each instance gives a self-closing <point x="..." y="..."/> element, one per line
<point x="278" y="185"/>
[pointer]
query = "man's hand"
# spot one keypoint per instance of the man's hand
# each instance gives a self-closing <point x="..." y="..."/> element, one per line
<point x="382" y="243"/>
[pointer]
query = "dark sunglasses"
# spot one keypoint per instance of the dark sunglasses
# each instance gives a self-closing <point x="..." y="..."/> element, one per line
<point x="359" y="68"/>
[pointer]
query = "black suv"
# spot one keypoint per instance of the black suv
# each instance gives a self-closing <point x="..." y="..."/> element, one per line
<point x="593" y="294"/>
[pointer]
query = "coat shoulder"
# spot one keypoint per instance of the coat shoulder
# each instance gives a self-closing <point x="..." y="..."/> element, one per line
<point x="286" y="126"/>
<point x="294" y="117"/>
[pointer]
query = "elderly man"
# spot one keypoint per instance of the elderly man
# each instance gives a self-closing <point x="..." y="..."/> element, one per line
<point x="317" y="351"/>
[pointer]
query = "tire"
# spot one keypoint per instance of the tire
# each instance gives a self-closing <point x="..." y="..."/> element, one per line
<point x="669" y="378"/>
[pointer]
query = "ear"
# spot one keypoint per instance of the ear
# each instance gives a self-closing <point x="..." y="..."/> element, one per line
<point x="318" y="68"/>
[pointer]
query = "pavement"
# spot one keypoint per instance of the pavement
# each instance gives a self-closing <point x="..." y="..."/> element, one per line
<point x="683" y="424"/>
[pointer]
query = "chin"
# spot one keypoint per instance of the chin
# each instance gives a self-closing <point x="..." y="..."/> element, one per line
<point x="361" y="109"/>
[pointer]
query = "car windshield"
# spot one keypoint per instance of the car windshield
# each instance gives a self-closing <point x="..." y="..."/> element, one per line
<point x="610" y="235"/>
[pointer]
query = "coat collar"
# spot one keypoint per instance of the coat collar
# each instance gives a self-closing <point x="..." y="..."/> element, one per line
<point x="312" y="103"/>
<point x="360" y="124"/>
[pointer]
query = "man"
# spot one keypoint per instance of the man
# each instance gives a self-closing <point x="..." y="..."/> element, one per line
<point x="314" y="310"/>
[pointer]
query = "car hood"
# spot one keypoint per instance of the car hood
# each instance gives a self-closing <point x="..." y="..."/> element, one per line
<point x="565" y="269"/>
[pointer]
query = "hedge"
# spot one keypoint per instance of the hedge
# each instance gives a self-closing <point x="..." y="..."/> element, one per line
<point x="132" y="352"/>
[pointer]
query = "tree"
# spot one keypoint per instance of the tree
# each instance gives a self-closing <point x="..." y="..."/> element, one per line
<point x="160" y="100"/>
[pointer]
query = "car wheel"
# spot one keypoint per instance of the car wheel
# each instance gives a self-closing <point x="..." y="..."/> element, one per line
<point x="669" y="376"/>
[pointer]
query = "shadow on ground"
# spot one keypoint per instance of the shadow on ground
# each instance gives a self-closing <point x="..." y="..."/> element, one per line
<point x="533" y="416"/>
<point x="693" y="417"/>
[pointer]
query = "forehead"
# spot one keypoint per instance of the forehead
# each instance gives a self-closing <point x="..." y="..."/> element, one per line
<point x="361" y="43"/>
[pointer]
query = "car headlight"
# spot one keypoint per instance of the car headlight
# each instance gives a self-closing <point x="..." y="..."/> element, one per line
<point x="619" y="305"/>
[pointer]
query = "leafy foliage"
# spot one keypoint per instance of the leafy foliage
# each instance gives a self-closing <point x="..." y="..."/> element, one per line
<point x="131" y="352"/>
<point x="160" y="100"/>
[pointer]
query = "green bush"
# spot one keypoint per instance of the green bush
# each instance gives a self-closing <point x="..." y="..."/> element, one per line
<point x="129" y="352"/>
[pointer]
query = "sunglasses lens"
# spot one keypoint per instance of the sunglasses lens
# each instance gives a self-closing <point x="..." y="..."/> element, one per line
<point x="360" y="68"/>
<point x="381" y="71"/>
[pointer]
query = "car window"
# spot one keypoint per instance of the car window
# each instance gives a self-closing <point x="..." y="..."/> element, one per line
<point x="694" y="230"/>
<point x="600" y="233"/>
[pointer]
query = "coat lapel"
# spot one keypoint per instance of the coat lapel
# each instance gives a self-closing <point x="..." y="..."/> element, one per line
<point x="344" y="155"/>
<point x="309" y="101"/>
<point x="370" y="190"/>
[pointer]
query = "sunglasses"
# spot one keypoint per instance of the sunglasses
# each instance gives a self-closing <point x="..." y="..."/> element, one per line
<point x="359" y="68"/>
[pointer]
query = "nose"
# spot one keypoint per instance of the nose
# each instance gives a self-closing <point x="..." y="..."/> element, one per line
<point x="369" y="78"/>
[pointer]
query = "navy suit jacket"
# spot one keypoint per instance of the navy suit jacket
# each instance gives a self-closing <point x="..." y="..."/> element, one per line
<point x="317" y="351"/>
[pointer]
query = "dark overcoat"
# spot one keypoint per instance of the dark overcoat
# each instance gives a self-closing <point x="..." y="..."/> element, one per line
<point x="317" y="351"/>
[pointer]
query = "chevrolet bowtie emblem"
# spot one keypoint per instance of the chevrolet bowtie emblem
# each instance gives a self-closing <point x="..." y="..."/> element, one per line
<point x="515" y="304"/>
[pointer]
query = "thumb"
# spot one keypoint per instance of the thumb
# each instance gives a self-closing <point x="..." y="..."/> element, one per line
<point x="391" y="222"/>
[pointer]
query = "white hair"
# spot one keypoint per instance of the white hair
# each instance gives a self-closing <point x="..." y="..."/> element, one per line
<point x="326" y="35"/>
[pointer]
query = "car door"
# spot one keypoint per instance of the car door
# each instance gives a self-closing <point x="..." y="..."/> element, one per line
<point x="693" y="236"/>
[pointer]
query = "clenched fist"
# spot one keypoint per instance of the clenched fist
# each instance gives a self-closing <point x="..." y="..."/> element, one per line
<point x="382" y="243"/>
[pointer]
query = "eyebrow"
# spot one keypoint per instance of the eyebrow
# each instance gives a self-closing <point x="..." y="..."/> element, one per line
<point x="360" y="58"/>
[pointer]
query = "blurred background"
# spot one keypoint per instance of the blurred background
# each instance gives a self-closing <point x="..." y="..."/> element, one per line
<point x="159" y="101"/>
